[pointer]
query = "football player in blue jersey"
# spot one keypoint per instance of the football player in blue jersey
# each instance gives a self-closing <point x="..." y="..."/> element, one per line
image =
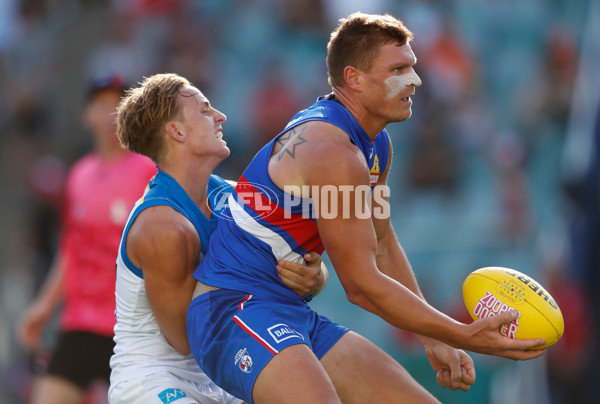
<point x="249" y="333"/>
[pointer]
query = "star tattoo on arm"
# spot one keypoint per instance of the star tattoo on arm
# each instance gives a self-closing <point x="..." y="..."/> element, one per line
<point x="290" y="140"/>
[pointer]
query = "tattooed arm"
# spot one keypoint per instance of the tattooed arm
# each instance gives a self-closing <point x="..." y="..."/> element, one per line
<point x="286" y="144"/>
<point x="285" y="166"/>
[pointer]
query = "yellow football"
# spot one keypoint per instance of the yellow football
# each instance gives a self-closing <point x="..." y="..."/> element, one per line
<point x="493" y="290"/>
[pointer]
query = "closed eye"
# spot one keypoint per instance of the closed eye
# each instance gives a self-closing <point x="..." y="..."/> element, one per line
<point x="206" y="107"/>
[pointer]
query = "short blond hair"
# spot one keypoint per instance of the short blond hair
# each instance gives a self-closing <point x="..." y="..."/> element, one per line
<point x="144" y="111"/>
<point x="357" y="39"/>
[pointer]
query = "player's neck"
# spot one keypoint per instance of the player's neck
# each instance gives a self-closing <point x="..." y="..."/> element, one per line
<point x="366" y="120"/>
<point x="192" y="177"/>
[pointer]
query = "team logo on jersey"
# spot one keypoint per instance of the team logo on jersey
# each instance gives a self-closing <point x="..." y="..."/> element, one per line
<point x="243" y="361"/>
<point x="169" y="395"/>
<point x="281" y="332"/>
<point x="375" y="172"/>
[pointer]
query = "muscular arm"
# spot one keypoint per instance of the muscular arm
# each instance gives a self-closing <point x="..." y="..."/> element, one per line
<point x="454" y="368"/>
<point x="352" y="246"/>
<point x="328" y="158"/>
<point x="166" y="246"/>
<point x="324" y="157"/>
<point x="390" y="256"/>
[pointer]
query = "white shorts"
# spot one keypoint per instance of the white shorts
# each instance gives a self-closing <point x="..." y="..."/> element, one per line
<point x="167" y="388"/>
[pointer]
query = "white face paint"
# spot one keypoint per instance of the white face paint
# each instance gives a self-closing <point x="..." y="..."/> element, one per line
<point x="396" y="84"/>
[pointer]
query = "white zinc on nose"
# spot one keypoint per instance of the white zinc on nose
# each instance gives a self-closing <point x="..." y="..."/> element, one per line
<point x="396" y="84"/>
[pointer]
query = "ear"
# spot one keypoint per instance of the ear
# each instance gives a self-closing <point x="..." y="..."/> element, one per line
<point x="352" y="77"/>
<point x="173" y="132"/>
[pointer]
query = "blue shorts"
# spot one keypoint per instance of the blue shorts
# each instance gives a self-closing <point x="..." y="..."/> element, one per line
<point x="233" y="335"/>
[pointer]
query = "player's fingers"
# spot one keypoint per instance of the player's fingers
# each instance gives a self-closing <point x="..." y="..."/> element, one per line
<point x="467" y="367"/>
<point x="503" y="318"/>
<point x="455" y="371"/>
<point x="509" y="316"/>
<point x="300" y="278"/>
<point x="528" y="344"/>
<point x="524" y="355"/>
<point x="464" y="386"/>
<point x="291" y="268"/>
<point x="468" y="379"/>
<point x="287" y="274"/>
<point x="313" y="259"/>
<point x="443" y="378"/>
<point x="520" y="344"/>
<point x="468" y="375"/>
<point x="293" y="281"/>
<point x="533" y="343"/>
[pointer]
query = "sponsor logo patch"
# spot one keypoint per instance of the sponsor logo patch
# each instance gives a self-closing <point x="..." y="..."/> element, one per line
<point x="281" y="332"/>
<point x="169" y="395"/>
<point x="243" y="361"/>
<point x="375" y="171"/>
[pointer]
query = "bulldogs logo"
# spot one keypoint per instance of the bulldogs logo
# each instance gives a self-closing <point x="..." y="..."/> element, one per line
<point x="243" y="361"/>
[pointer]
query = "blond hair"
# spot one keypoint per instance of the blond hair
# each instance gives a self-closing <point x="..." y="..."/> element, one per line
<point x="144" y="111"/>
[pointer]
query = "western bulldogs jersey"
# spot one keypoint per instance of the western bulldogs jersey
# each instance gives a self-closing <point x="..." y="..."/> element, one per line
<point x="141" y="348"/>
<point x="261" y="223"/>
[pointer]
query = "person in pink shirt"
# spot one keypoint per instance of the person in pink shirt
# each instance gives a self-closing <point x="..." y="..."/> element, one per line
<point x="100" y="190"/>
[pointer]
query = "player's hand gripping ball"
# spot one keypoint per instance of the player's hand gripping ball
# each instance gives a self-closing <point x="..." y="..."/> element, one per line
<point x="493" y="290"/>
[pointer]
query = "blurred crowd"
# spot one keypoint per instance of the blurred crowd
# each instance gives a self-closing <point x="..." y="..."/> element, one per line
<point x="479" y="170"/>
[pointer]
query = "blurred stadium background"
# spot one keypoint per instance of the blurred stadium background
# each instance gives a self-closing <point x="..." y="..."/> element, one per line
<point x="499" y="164"/>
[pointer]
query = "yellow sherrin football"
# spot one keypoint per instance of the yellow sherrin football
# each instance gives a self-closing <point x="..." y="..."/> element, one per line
<point x="493" y="290"/>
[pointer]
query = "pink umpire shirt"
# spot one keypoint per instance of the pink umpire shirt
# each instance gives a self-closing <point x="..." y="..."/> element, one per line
<point x="98" y="198"/>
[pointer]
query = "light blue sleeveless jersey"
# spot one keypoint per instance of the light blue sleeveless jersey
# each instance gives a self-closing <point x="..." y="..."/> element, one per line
<point x="163" y="190"/>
